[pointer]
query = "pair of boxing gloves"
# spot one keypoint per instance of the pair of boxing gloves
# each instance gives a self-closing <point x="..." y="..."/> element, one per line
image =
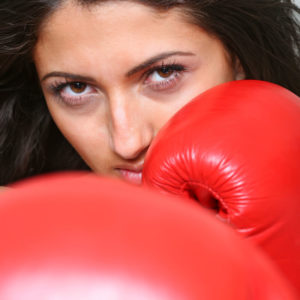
<point x="81" y="236"/>
<point x="235" y="149"/>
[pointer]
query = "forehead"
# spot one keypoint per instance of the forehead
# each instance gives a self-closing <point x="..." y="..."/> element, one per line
<point x="111" y="22"/>
<point x="108" y="13"/>
<point x="120" y="32"/>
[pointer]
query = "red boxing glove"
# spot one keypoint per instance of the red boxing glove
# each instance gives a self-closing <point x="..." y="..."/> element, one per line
<point x="236" y="149"/>
<point x="82" y="237"/>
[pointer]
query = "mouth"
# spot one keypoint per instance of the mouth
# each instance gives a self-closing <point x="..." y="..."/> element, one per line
<point x="131" y="174"/>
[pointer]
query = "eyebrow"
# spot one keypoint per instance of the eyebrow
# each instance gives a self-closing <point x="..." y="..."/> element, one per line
<point x="68" y="75"/>
<point x="131" y="72"/>
<point x="155" y="59"/>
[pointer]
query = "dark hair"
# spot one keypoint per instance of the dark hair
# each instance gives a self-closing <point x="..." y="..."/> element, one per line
<point x="262" y="34"/>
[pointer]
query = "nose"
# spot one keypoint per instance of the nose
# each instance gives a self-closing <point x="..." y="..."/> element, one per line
<point x="130" y="132"/>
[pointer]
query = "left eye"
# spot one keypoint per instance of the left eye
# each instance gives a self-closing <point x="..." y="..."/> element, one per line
<point x="162" y="74"/>
<point x="165" y="72"/>
<point x="164" y="77"/>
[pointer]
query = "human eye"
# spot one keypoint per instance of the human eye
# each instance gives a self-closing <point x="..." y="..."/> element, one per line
<point x="164" y="77"/>
<point x="73" y="93"/>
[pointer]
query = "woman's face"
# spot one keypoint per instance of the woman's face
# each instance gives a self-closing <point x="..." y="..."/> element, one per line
<point x="114" y="73"/>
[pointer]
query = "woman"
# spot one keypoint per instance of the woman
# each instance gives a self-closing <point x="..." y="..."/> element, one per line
<point x="87" y="84"/>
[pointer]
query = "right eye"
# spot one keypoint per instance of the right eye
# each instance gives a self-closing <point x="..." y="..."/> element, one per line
<point x="73" y="93"/>
<point x="77" y="87"/>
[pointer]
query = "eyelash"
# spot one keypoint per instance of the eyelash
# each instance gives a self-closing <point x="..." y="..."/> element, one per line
<point x="170" y="82"/>
<point x="58" y="87"/>
<point x="176" y="69"/>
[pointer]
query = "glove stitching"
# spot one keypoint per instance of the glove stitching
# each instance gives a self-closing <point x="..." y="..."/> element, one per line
<point x="187" y="186"/>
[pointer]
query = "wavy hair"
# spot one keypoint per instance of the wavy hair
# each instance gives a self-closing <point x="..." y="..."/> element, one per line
<point x="264" y="35"/>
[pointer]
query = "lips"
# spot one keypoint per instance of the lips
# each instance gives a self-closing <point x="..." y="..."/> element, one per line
<point x="131" y="173"/>
<point x="131" y="176"/>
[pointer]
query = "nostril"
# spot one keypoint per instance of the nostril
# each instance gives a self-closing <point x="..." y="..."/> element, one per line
<point x="131" y="144"/>
<point x="130" y="149"/>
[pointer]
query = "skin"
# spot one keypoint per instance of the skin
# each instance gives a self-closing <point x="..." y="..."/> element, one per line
<point x="115" y="104"/>
<point x="2" y="189"/>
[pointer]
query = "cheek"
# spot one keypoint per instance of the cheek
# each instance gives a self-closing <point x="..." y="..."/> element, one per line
<point x="195" y="85"/>
<point x="206" y="78"/>
<point x="69" y="126"/>
<point x="163" y="111"/>
<point x="84" y="133"/>
<point x="90" y="144"/>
